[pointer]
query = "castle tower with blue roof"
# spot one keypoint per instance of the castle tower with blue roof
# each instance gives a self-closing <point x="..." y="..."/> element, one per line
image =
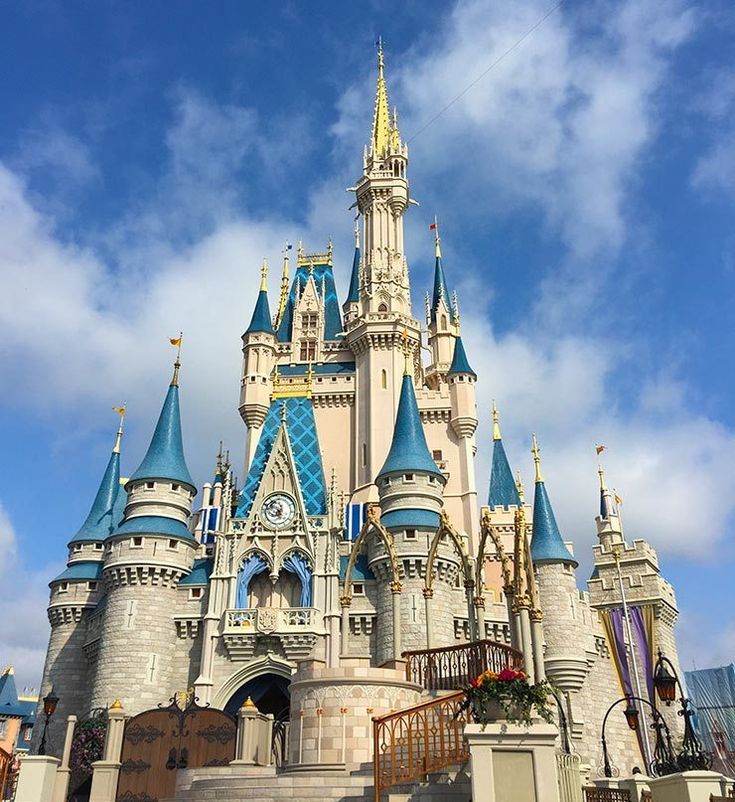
<point x="353" y="534"/>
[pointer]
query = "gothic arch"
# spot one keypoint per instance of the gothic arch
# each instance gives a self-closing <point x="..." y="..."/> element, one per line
<point x="270" y="664"/>
<point x="372" y="523"/>
<point x="446" y="528"/>
<point x="487" y="531"/>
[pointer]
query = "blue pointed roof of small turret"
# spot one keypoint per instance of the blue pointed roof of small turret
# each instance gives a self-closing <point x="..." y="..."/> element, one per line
<point x="408" y="449"/>
<point x="460" y="363"/>
<point x="165" y="456"/>
<point x="353" y="295"/>
<point x="261" y="319"/>
<point x="547" y="545"/>
<point x="440" y="287"/>
<point x="503" y="490"/>
<point x="105" y="513"/>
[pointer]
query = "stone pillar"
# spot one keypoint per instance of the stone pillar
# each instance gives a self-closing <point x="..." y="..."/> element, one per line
<point x="469" y="590"/>
<point x="537" y="641"/>
<point x="254" y="736"/>
<point x="480" y="615"/>
<point x="635" y="786"/>
<point x="61" y="786"/>
<point x="512" y="763"/>
<point x="344" y="650"/>
<point x="37" y="778"/>
<point x="688" y="786"/>
<point x="526" y="646"/>
<point x="395" y="589"/>
<point x="105" y="772"/>
<point x="428" y="596"/>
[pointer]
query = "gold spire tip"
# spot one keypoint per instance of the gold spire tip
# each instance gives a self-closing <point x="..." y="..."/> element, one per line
<point x="496" y="422"/>
<point x="519" y="485"/>
<point x="176" y="342"/>
<point x="535" y="450"/>
<point x="263" y="275"/>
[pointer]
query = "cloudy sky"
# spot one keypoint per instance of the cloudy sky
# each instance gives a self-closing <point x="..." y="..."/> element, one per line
<point x="151" y="154"/>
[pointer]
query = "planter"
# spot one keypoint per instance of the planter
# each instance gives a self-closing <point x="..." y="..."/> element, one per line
<point x="486" y="710"/>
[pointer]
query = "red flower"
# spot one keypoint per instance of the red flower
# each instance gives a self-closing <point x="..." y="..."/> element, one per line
<point x="509" y="675"/>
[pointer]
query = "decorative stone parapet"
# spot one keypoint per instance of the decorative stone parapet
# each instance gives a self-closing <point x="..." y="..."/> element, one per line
<point x="687" y="786"/>
<point x="512" y="763"/>
<point x="332" y="711"/>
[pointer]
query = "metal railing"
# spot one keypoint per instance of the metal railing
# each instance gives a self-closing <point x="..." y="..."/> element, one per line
<point x="450" y="667"/>
<point x="412" y="743"/>
<point x="594" y="794"/>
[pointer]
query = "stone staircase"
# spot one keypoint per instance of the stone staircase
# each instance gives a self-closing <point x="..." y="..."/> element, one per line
<point x="239" y="783"/>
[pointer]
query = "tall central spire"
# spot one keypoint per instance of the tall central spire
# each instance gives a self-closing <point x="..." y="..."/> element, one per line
<point x="384" y="132"/>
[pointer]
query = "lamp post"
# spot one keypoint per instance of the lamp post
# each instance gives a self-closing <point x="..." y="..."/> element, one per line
<point x="663" y="761"/>
<point x="49" y="707"/>
<point x="692" y="755"/>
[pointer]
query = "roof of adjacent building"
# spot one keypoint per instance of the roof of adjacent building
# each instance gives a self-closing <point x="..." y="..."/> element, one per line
<point x="547" y="545"/>
<point x="460" y="363"/>
<point x="10" y="704"/>
<point x="104" y="514"/>
<point x="302" y="436"/>
<point x="261" y="319"/>
<point x="327" y="292"/>
<point x="154" y="525"/>
<point x="408" y="449"/>
<point x="410" y="518"/>
<point x="503" y="490"/>
<point x="360" y="573"/>
<point x="88" y="570"/>
<point x="199" y="574"/>
<point x="165" y="456"/>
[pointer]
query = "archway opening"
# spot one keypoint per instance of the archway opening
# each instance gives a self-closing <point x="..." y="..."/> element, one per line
<point x="269" y="692"/>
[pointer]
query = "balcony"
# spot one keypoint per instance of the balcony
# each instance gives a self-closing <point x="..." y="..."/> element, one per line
<point x="296" y="627"/>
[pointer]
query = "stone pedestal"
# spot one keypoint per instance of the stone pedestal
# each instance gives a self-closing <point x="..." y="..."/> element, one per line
<point x="254" y="736"/>
<point x="635" y="786"/>
<point x="512" y="763"/>
<point x="37" y="778"/>
<point x="105" y="772"/>
<point x="688" y="786"/>
<point x="63" y="773"/>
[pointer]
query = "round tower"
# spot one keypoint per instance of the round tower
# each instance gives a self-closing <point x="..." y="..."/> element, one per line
<point x="258" y="358"/>
<point x="75" y="595"/>
<point x="410" y="489"/>
<point x="564" y="657"/>
<point x="144" y="559"/>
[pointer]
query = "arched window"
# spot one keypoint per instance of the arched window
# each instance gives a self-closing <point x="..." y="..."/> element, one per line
<point x="384" y="379"/>
<point x="444" y="322"/>
<point x="383" y="307"/>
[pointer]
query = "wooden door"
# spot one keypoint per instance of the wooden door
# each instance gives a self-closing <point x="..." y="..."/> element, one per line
<point x="208" y="737"/>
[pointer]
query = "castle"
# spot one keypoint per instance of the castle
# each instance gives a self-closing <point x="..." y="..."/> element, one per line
<point x="357" y="534"/>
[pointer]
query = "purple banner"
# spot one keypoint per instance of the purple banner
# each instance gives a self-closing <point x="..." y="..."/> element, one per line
<point x="616" y="620"/>
<point x="641" y="638"/>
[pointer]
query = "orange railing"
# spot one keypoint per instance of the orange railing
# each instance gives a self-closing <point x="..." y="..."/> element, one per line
<point x="451" y="667"/>
<point x="412" y="743"/>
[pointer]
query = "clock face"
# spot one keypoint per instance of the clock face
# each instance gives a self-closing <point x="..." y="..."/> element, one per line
<point x="278" y="510"/>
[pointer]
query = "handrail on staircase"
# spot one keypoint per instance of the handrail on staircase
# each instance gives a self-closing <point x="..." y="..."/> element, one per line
<point x="451" y="667"/>
<point x="410" y="744"/>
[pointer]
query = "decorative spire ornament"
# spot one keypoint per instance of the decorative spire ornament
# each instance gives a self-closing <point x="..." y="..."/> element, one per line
<point x="535" y="450"/>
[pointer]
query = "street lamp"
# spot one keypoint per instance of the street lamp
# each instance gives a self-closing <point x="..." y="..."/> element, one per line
<point x="692" y="755"/>
<point x="663" y="755"/>
<point x="49" y="708"/>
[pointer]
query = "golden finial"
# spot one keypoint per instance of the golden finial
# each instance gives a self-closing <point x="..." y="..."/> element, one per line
<point x="406" y="353"/>
<point x="496" y="422"/>
<point x="283" y="300"/>
<point x="535" y="450"/>
<point x="263" y="275"/>
<point x="176" y="342"/>
<point x="249" y="702"/>
<point x="519" y="485"/>
<point x="121" y="412"/>
<point x="116" y="705"/>
<point x="8" y="671"/>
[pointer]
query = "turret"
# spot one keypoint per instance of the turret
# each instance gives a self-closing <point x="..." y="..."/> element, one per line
<point x="145" y="557"/>
<point x="441" y="319"/>
<point x="410" y="489"/>
<point x="75" y="593"/>
<point x="564" y="658"/>
<point x="503" y="491"/>
<point x="258" y="351"/>
<point x="461" y="379"/>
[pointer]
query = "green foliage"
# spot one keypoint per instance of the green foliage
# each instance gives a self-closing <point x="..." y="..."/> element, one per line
<point x="513" y="694"/>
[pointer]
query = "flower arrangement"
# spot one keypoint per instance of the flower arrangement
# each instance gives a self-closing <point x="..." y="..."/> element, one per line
<point x="88" y="744"/>
<point x="507" y="694"/>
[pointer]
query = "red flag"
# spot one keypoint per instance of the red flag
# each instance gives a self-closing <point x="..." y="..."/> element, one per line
<point x="432" y="227"/>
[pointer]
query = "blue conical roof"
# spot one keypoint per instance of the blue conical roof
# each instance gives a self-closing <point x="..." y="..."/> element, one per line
<point x="440" y="288"/>
<point x="8" y="692"/>
<point x="547" y="545"/>
<point x="353" y="296"/>
<point x="408" y="450"/>
<point x="503" y="490"/>
<point x="460" y="363"/>
<point x="261" y="320"/>
<point x="165" y="456"/>
<point x="102" y="516"/>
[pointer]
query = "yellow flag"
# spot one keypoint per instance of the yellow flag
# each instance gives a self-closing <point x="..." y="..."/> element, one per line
<point x="119" y="410"/>
<point x="618" y="500"/>
<point x="175" y="341"/>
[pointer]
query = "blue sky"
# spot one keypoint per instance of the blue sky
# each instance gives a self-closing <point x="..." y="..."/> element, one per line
<point x="151" y="154"/>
